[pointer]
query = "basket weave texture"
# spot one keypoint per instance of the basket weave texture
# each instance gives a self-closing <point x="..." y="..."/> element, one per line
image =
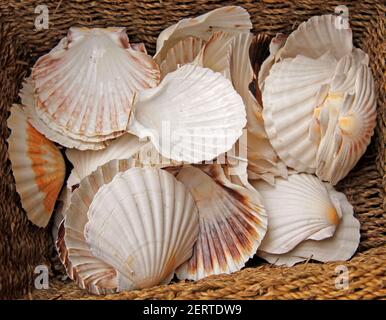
<point x="24" y="246"/>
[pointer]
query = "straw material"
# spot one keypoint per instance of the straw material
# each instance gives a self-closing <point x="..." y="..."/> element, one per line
<point x="23" y="246"/>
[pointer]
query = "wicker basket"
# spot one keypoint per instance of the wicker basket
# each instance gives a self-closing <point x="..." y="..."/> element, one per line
<point x="23" y="246"/>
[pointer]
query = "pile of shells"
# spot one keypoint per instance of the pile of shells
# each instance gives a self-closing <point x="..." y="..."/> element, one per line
<point x="155" y="187"/>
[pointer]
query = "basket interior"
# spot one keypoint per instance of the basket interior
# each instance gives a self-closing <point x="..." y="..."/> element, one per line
<point x="24" y="246"/>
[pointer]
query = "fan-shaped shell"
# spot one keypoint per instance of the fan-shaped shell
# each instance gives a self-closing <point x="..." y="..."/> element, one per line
<point x="316" y="36"/>
<point x="293" y="89"/>
<point x="183" y="52"/>
<point x="37" y="165"/>
<point x="85" y="162"/>
<point x="87" y="87"/>
<point x="262" y="159"/>
<point x="232" y="223"/>
<point x="341" y="246"/>
<point x="148" y="232"/>
<point x="348" y="123"/>
<point x="232" y="19"/>
<point x="67" y="140"/>
<point x="81" y="265"/>
<point x="298" y="209"/>
<point x="199" y="119"/>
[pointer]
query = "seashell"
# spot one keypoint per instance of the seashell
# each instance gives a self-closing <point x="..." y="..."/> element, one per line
<point x="293" y="89"/>
<point x="138" y="47"/>
<point x="258" y="53"/>
<point x="38" y="168"/>
<point x="199" y="119"/>
<point x="232" y="222"/>
<point x="341" y="246"/>
<point x="317" y="36"/>
<point x="62" y="204"/>
<point x="183" y="52"/>
<point x="27" y="98"/>
<point x="81" y="265"/>
<point x="216" y="53"/>
<point x="231" y="19"/>
<point x="263" y="160"/>
<point x="348" y="122"/>
<point x="346" y="71"/>
<point x="148" y="233"/>
<point x="85" y="162"/>
<point x="94" y="99"/>
<point x="300" y="208"/>
<point x="274" y="52"/>
<point x="235" y="170"/>
<point x="148" y="156"/>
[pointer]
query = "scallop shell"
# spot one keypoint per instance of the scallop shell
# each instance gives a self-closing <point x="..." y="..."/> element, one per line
<point x="274" y="52"/>
<point x="341" y="246"/>
<point x="293" y="89"/>
<point x="138" y="47"/>
<point x="199" y="119"/>
<point x="346" y="71"/>
<point x="300" y="208"/>
<point x="62" y="205"/>
<point x="28" y="100"/>
<point x="81" y="265"/>
<point x="85" y="162"/>
<point x="263" y="160"/>
<point x="94" y="99"/>
<point x="183" y="52"/>
<point x="232" y="223"/>
<point x="232" y="19"/>
<point x="149" y="231"/>
<point x="216" y="53"/>
<point x="37" y="165"/>
<point x="316" y="36"/>
<point x="347" y="127"/>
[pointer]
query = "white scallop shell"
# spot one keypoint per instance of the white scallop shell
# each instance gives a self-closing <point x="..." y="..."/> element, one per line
<point x="27" y="98"/>
<point x="232" y="19"/>
<point x="319" y="34"/>
<point x="346" y="71"/>
<point x="37" y="165"/>
<point x="298" y="209"/>
<point x="347" y="127"/>
<point x="87" y="86"/>
<point x="216" y="53"/>
<point x="292" y="91"/>
<point x="341" y="246"/>
<point x="81" y="265"/>
<point x="144" y="224"/>
<point x="232" y="222"/>
<point x="199" y="119"/>
<point x="85" y="162"/>
<point x="263" y="160"/>
<point x="183" y="52"/>
<point x="274" y="51"/>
